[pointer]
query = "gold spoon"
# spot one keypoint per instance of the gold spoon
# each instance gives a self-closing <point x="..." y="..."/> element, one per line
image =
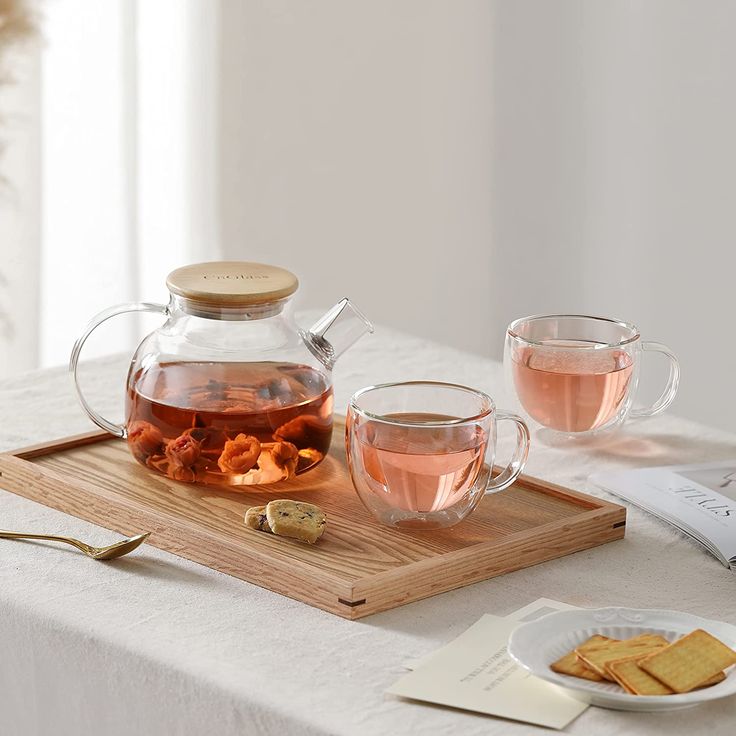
<point x="97" y="553"/>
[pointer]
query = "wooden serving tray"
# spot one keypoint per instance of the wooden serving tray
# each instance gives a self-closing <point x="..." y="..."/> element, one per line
<point x="359" y="567"/>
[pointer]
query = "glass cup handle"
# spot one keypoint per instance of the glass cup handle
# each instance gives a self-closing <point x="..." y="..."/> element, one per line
<point x="512" y="471"/>
<point x="670" y="389"/>
<point x="117" y="429"/>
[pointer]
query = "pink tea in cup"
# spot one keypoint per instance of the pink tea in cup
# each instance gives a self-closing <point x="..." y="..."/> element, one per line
<point x="570" y="389"/>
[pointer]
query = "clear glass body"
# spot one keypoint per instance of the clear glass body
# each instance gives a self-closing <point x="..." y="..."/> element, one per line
<point x="576" y="375"/>
<point x="420" y="453"/>
<point x="228" y="401"/>
<point x="230" y="396"/>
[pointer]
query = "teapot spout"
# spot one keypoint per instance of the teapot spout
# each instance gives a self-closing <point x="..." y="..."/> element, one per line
<point x="336" y="331"/>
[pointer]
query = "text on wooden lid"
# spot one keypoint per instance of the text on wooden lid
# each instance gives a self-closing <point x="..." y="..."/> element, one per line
<point x="232" y="283"/>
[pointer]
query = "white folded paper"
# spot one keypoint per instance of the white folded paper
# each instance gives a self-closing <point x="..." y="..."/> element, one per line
<point x="475" y="672"/>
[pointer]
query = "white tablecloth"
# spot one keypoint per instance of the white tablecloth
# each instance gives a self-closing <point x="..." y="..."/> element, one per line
<point x="156" y="645"/>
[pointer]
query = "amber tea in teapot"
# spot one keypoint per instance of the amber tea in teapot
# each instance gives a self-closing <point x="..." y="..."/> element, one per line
<point x="229" y="391"/>
<point x="230" y="423"/>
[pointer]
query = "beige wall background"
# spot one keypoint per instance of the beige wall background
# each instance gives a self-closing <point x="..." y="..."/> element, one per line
<point x="451" y="165"/>
<point x="448" y="164"/>
<point x="355" y="149"/>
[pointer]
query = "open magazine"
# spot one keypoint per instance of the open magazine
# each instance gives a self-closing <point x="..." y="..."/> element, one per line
<point x="698" y="499"/>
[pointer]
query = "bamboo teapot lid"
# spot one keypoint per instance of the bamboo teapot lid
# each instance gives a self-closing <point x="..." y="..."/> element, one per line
<point x="231" y="283"/>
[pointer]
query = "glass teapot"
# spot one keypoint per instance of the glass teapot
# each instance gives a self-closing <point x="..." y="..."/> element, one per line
<point x="229" y="390"/>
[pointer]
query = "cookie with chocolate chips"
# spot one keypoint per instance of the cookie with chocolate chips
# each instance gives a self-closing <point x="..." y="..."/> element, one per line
<point x="255" y="518"/>
<point x="296" y="519"/>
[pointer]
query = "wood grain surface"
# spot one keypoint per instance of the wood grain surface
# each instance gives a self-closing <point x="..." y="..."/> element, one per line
<point x="359" y="567"/>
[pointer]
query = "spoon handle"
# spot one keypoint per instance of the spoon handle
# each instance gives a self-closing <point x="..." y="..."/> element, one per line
<point x="48" y="537"/>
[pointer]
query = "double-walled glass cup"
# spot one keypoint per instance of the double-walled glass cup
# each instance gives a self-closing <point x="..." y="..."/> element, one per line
<point x="420" y="453"/>
<point x="577" y="375"/>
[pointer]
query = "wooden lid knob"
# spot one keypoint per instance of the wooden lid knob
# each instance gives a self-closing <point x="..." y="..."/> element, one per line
<point x="232" y="283"/>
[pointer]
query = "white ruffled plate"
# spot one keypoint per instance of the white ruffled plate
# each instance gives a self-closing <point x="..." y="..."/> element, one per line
<point x="535" y="645"/>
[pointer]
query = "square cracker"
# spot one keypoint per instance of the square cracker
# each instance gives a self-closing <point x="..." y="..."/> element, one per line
<point x="690" y="661"/>
<point x="720" y="677"/>
<point x="597" y="658"/>
<point x="602" y="642"/>
<point x="569" y="664"/>
<point x="635" y="680"/>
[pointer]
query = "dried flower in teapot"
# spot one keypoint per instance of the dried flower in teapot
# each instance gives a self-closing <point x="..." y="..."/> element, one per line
<point x="239" y="455"/>
<point x="144" y="440"/>
<point x="305" y="430"/>
<point x="276" y="462"/>
<point x="184" y="451"/>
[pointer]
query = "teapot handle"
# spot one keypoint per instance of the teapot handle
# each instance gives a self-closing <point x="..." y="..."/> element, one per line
<point x="118" y="430"/>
